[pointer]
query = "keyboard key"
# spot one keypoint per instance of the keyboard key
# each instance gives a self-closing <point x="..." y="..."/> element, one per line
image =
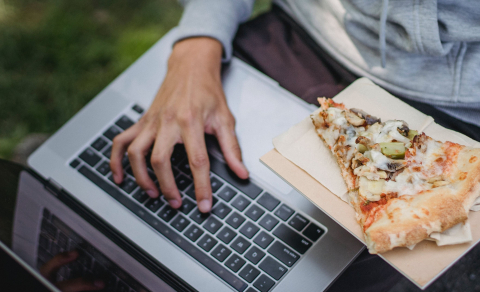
<point x="240" y="245"/>
<point x="249" y="229"/>
<point x="187" y="206"/>
<point x="264" y="283"/>
<point x="191" y="192"/>
<point x="244" y="185"/>
<point x="128" y="185"/>
<point x="112" y="132"/>
<point x="180" y="223"/>
<point x="104" y="168"/>
<point x="198" y="216"/>
<point x="62" y="241"/>
<point x="249" y="273"/>
<point x="184" y="167"/>
<point x="125" y="161"/>
<point x="75" y="163"/>
<point x="284" y="212"/>
<point x="183" y="182"/>
<point x="50" y="230"/>
<point x="273" y="268"/>
<point x="235" y="220"/>
<point x="140" y="196"/>
<point x="207" y="242"/>
<point x="124" y="122"/>
<point x="292" y="239"/>
<point x="193" y="232"/>
<point x="215" y="183"/>
<point x="154" y="204"/>
<point x="254" y="212"/>
<point x="234" y="263"/>
<point x="137" y="108"/>
<point x="107" y="152"/>
<point x="44" y="242"/>
<point x="90" y="157"/>
<point x="178" y="154"/>
<point x="227" y="193"/>
<point x="313" y="232"/>
<point x="165" y="230"/>
<point x="263" y="239"/>
<point x="240" y="202"/>
<point x="268" y="201"/>
<point x="298" y="222"/>
<point x="251" y="290"/>
<point x="221" y="210"/>
<point x="167" y="213"/>
<point x="226" y="235"/>
<point x="283" y="253"/>
<point x="212" y="225"/>
<point x="268" y="222"/>
<point x="99" y="144"/>
<point x="129" y="170"/>
<point x="254" y="255"/>
<point x="221" y="252"/>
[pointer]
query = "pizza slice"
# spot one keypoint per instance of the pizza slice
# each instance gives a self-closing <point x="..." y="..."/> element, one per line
<point x="403" y="185"/>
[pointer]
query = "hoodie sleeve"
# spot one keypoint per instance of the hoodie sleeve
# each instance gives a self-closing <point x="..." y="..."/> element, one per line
<point x="218" y="19"/>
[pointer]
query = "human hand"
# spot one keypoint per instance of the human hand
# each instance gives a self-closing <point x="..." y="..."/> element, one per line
<point x="189" y="103"/>
<point x="50" y="268"/>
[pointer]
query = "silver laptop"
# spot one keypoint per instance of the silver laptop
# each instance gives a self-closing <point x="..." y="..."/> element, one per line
<point x="261" y="235"/>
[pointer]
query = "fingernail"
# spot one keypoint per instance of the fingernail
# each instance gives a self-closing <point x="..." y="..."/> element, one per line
<point x="116" y="178"/>
<point x="98" y="284"/>
<point x="72" y="254"/>
<point x="204" y="206"/>
<point x="151" y="193"/>
<point x="174" y="203"/>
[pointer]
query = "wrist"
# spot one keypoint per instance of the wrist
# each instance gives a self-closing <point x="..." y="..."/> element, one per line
<point x="197" y="51"/>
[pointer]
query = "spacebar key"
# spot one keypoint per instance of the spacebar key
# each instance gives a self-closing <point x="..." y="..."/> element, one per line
<point x="166" y="231"/>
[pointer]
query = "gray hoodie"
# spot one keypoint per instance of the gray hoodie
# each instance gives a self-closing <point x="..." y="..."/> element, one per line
<point x="426" y="50"/>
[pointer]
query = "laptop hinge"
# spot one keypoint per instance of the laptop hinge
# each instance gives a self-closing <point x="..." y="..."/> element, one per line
<point x="53" y="187"/>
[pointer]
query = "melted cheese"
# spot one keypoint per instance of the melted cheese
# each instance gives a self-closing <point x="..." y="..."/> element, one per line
<point x="407" y="183"/>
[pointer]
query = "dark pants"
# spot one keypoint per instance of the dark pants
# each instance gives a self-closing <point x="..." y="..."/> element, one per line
<point x="275" y="45"/>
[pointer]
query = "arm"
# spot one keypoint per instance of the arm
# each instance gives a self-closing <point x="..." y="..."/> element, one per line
<point x="189" y="103"/>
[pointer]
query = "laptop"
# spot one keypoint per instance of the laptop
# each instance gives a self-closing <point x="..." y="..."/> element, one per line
<point x="262" y="235"/>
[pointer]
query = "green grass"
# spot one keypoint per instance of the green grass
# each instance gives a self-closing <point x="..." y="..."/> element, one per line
<point x="55" y="55"/>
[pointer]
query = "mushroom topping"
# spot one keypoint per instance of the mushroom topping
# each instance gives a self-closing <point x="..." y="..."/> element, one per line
<point x="403" y="130"/>
<point x="369" y="119"/>
<point x="353" y="119"/>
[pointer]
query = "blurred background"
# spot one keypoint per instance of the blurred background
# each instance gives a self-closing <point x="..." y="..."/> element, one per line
<point x="56" y="55"/>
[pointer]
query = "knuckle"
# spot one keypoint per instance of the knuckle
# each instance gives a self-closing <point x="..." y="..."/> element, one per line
<point x="133" y="151"/>
<point x="186" y="118"/>
<point x="118" y="140"/>
<point x="158" y="160"/>
<point x="199" y="160"/>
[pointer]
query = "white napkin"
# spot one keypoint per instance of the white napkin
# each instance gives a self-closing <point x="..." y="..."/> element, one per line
<point x="302" y="146"/>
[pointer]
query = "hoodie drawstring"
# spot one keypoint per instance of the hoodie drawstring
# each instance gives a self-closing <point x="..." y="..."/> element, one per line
<point x="383" y="28"/>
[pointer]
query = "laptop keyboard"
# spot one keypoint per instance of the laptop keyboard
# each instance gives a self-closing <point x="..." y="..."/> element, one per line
<point x="56" y="237"/>
<point x="250" y="239"/>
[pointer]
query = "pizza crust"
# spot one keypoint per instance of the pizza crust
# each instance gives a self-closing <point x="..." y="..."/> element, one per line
<point x="407" y="220"/>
